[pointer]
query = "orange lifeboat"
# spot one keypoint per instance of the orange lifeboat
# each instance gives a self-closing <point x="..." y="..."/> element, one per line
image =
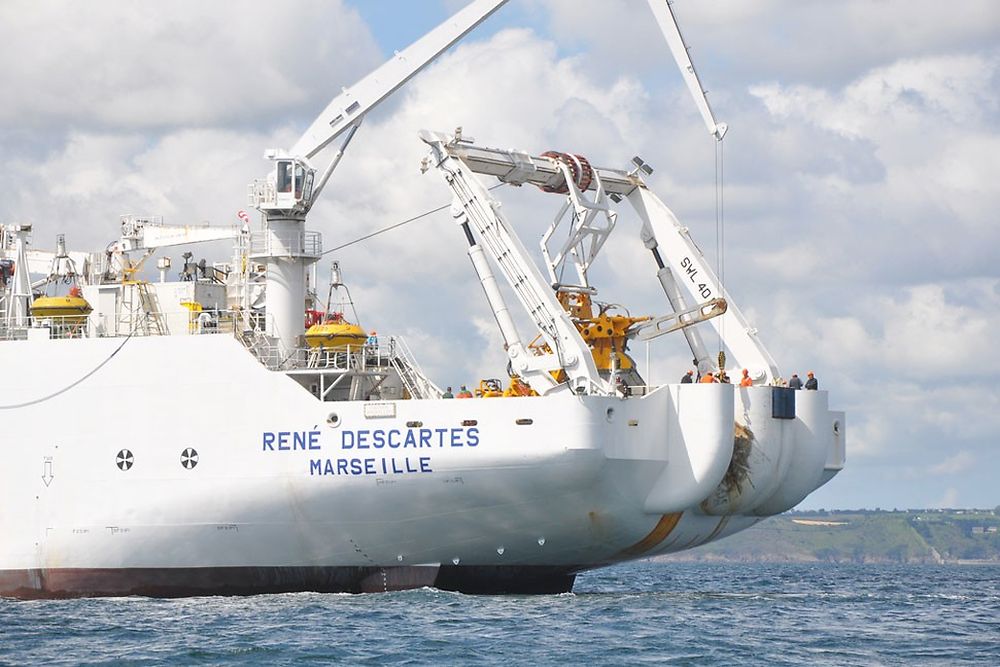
<point x="335" y="331"/>
<point x="72" y="309"/>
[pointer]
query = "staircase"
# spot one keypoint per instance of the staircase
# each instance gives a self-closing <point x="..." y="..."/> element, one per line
<point x="417" y="384"/>
<point x="139" y="315"/>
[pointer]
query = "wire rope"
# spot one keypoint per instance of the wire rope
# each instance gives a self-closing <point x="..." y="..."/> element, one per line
<point x="73" y="384"/>
<point x="720" y="229"/>
<point x="397" y="225"/>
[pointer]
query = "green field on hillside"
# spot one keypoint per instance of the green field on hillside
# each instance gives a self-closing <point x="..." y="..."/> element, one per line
<point x="922" y="536"/>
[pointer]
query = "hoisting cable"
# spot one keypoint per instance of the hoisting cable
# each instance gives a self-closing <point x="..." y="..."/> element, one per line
<point x="398" y="224"/>
<point x="70" y="386"/>
<point x="720" y="229"/>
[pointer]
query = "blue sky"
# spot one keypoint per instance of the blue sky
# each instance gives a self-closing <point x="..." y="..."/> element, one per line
<point x="861" y="226"/>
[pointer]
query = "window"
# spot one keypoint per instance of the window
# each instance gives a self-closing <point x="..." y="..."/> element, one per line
<point x="284" y="176"/>
<point x="300" y="176"/>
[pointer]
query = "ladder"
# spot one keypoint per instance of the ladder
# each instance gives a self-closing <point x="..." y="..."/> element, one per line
<point x="150" y="309"/>
<point x="416" y="383"/>
<point x="142" y="316"/>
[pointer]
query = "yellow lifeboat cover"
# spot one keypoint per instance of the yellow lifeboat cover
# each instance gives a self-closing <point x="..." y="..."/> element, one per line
<point x="60" y="306"/>
<point x="335" y="334"/>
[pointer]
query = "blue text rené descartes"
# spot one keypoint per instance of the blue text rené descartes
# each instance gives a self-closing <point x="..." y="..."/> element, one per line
<point x="373" y="439"/>
<point x="395" y="438"/>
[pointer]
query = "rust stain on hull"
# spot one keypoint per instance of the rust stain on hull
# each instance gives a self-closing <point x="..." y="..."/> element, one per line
<point x="660" y="532"/>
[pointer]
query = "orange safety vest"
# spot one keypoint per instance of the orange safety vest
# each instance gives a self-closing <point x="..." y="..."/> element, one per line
<point x="746" y="382"/>
<point x="708" y="378"/>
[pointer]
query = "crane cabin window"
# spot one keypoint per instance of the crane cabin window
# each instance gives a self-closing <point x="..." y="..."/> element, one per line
<point x="284" y="180"/>
<point x="308" y="186"/>
<point x="300" y="177"/>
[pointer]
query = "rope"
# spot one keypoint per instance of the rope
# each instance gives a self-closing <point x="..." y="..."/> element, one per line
<point x="720" y="227"/>
<point x="398" y="224"/>
<point x="70" y="386"/>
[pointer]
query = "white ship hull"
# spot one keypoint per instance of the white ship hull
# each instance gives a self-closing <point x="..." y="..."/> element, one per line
<point x="177" y="438"/>
<point x="392" y="495"/>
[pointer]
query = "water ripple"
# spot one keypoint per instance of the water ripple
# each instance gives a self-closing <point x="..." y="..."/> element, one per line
<point x="642" y="613"/>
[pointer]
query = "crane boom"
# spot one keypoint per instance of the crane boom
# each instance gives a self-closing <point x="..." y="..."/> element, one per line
<point x="139" y="233"/>
<point x="672" y="33"/>
<point x="348" y="108"/>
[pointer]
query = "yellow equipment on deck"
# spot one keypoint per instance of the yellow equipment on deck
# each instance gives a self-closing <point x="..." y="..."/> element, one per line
<point x="606" y="335"/>
<point x="71" y="310"/>
<point x="335" y="333"/>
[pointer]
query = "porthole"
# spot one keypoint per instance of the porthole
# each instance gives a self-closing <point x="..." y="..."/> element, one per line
<point x="333" y="420"/>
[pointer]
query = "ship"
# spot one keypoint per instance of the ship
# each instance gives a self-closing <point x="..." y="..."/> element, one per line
<point x="223" y="431"/>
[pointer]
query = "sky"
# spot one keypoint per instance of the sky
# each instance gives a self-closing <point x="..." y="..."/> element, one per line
<point x="860" y="224"/>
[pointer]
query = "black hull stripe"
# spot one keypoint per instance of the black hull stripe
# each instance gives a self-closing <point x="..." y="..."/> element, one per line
<point x="194" y="581"/>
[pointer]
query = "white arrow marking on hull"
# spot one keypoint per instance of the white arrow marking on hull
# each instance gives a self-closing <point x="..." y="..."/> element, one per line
<point x="47" y="471"/>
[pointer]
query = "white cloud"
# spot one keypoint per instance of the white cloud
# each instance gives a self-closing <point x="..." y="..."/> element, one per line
<point x="135" y="64"/>
<point x="953" y="465"/>
<point x="920" y="335"/>
<point x="860" y="200"/>
<point x="894" y="99"/>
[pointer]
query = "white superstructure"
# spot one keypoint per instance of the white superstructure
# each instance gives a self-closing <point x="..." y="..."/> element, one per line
<point x="191" y="436"/>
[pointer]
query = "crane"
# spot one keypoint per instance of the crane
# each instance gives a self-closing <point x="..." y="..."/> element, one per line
<point x="664" y="16"/>
<point x="693" y="290"/>
<point x="149" y="234"/>
<point x="286" y="195"/>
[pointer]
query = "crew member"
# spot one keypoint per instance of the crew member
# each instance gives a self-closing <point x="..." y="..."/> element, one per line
<point x="447" y="393"/>
<point x="707" y="378"/>
<point x="746" y="381"/>
<point x="811" y="383"/>
<point x="464" y="392"/>
<point x="688" y="378"/>
<point x="795" y="382"/>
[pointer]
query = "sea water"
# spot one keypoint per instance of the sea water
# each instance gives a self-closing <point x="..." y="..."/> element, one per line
<point x="639" y="613"/>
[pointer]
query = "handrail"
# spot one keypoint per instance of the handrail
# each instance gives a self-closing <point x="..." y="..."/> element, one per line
<point x="388" y="353"/>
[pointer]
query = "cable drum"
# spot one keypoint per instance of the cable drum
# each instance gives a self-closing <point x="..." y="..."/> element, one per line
<point x="579" y="166"/>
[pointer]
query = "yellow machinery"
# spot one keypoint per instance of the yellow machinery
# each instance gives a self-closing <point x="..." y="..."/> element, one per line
<point x="489" y="389"/>
<point x="493" y="389"/>
<point x="518" y="387"/>
<point x="605" y="334"/>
